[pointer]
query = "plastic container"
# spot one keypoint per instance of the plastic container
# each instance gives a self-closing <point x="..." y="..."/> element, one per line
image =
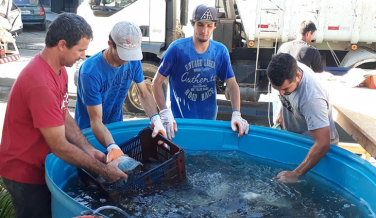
<point x="141" y="148"/>
<point x="339" y="166"/>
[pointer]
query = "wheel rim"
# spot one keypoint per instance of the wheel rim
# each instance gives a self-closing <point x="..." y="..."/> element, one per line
<point x="133" y="92"/>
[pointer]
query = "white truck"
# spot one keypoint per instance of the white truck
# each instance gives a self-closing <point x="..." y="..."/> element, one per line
<point x="252" y="30"/>
<point x="10" y="26"/>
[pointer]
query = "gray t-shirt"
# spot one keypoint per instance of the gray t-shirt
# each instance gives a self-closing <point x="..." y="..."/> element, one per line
<point x="308" y="107"/>
<point x="304" y="53"/>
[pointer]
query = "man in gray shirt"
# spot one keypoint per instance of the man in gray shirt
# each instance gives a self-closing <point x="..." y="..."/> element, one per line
<point x="306" y="110"/>
<point x="301" y="50"/>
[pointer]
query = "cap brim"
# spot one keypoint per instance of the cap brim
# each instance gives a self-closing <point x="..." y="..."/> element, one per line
<point x="129" y="54"/>
<point x="212" y="21"/>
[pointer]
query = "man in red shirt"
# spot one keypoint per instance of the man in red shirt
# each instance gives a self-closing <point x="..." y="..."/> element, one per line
<point x="37" y="122"/>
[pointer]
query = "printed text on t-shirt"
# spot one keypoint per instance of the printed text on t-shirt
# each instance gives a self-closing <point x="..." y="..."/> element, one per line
<point x="199" y="74"/>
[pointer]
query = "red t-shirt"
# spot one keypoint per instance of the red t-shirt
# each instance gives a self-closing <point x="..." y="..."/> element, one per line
<point x="39" y="98"/>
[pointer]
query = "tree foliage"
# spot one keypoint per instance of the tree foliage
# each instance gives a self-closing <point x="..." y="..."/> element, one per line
<point x="6" y="206"/>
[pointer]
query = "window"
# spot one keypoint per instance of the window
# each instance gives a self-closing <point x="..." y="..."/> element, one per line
<point x="106" y="8"/>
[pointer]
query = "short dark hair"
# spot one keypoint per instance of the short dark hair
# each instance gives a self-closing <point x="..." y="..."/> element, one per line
<point x="282" y="67"/>
<point x="69" y="27"/>
<point x="113" y="42"/>
<point x="307" y="26"/>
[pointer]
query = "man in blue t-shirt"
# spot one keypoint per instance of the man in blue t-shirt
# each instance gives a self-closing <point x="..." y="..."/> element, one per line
<point x="192" y="65"/>
<point x="103" y="83"/>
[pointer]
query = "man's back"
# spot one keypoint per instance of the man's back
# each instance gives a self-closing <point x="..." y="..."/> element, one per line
<point x="304" y="53"/>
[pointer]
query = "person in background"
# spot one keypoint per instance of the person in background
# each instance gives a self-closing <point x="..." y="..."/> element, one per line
<point x="192" y="65"/>
<point x="306" y="110"/>
<point x="103" y="83"/>
<point x="301" y="50"/>
<point x="37" y="122"/>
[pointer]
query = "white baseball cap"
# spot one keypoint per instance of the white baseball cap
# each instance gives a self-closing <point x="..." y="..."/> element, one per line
<point x="128" y="38"/>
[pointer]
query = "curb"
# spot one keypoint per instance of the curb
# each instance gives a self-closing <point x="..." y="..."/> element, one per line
<point x="9" y="58"/>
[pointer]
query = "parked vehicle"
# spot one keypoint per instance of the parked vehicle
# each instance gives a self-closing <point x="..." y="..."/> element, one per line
<point x="12" y="14"/>
<point x="252" y="30"/>
<point x="10" y="27"/>
<point x="32" y="13"/>
<point x="15" y="20"/>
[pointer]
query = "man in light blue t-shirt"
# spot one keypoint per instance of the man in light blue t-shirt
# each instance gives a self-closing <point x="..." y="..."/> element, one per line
<point x="306" y="110"/>
<point x="103" y="83"/>
<point x="192" y="65"/>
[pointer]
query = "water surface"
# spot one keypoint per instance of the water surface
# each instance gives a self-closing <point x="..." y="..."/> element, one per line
<point x="230" y="184"/>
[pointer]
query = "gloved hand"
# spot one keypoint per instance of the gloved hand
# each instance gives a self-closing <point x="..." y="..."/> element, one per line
<point x="169" y="123"/>
<point x="114" y="152"/>
<point x="238" y="122"/>
<point x="157" y="125"/>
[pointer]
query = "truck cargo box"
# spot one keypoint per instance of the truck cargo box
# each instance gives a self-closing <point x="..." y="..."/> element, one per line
<point x="351" y="21"/>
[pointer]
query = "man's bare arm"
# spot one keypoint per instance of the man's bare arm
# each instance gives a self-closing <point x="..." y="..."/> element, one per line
<point x="315" y="154"/>
<point x="317" y="151"/>
<point x="147" y="99"/>
<point x="158" y="91"/>
<point x="100" y="131"/>
<point x="74" y="134"/>
<point x="234" y="93"/>
<point x="56" y="140"/>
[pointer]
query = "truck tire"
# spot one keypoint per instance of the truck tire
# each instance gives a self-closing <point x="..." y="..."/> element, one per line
<point x="132" y="102"/>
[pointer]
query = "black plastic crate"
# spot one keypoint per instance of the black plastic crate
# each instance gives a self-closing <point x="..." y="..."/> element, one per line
<point x="143" y="147"/>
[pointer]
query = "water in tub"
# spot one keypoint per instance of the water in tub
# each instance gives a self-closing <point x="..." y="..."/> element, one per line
<point x="230" y="184"/>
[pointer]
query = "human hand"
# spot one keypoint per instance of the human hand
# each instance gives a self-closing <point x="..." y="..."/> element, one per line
<point x="157" y="126"/>
<point x="169" y="123"/>
<point x="114" y="152"/>
<point x="237" y="122"/>
<point x="287" y="177"/>
<point x="113" y="173"/>
<point x="280" y="121"/>
<point x="97" y="154"/>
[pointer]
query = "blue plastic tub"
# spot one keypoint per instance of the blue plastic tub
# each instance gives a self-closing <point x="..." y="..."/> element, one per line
<point x="339" y="166"/>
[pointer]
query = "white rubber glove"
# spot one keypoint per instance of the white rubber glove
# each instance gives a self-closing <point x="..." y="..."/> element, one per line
<point x="114" y="152"/>
<point x="238" y="122"/>
<point x="157" y="126"/>
<point x="169" y="123"/>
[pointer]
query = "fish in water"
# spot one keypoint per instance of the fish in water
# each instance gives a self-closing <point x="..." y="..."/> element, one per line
<point x="273" y="201"/>
<point x="127" y="164"/>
